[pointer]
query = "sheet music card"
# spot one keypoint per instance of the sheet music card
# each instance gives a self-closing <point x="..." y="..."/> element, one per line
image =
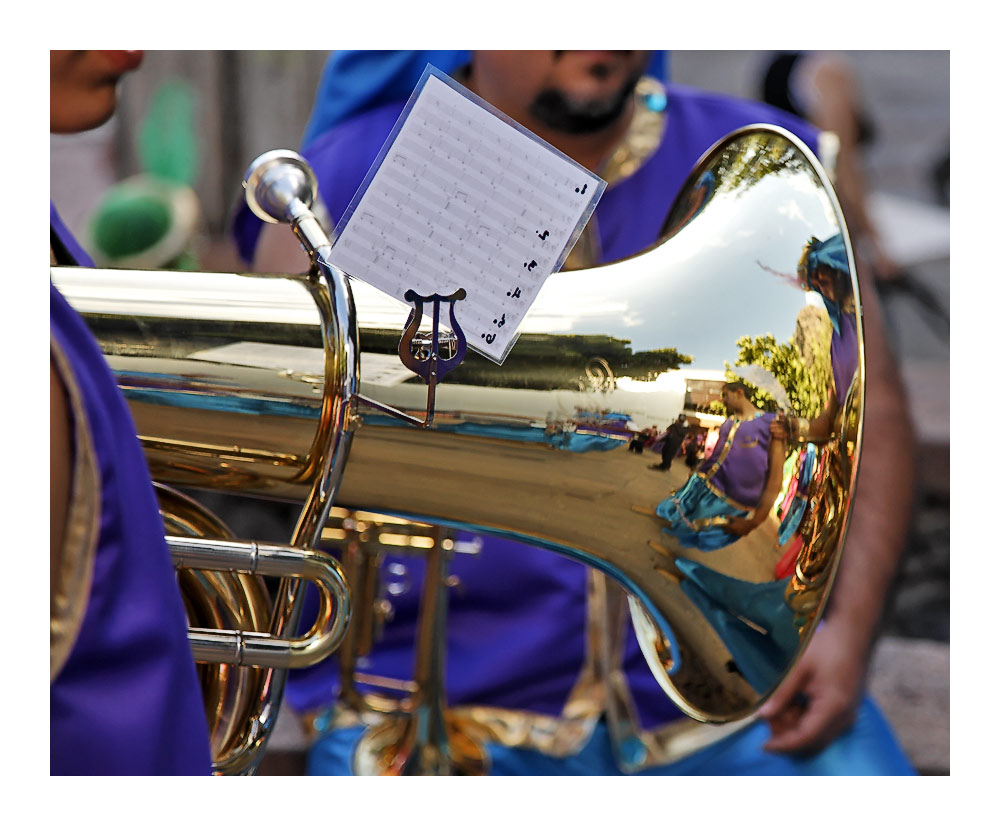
<point x="462" y="196"/>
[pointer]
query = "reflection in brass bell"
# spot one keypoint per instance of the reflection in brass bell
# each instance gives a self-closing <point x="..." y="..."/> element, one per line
<point x="531" y="451"/>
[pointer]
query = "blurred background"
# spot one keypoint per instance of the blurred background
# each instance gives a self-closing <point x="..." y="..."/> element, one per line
<point x="193" y="121"/>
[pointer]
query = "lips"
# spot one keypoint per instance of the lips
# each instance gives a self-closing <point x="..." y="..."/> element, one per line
<point x="123" y="61"/>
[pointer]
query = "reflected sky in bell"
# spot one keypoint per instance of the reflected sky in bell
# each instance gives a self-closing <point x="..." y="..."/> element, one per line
<point x="730" y="272"/>
<point x="710" y="284"/>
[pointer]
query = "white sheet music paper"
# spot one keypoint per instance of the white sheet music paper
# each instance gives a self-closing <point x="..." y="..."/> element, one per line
<point x="463" y="197"/>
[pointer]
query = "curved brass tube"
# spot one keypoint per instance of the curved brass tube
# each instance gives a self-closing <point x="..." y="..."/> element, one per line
<point x="249" y="648"/>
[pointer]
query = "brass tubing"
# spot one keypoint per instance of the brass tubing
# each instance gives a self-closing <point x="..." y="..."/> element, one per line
<point x="254" y="648"/>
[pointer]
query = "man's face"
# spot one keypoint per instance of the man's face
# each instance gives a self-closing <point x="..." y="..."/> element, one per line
<point x="824" y="282"/>
<point x="82" y="87"/>
<point x="731" y="398"/>
<point x="575" y="92"/>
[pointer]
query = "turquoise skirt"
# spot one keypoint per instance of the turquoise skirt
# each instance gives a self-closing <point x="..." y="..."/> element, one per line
<point x="868" y="747"/>
<point x="690" y="512"/>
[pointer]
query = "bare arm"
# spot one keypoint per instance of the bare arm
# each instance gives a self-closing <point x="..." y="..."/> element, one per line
<point x="819" y="429"/>
<point x="832" y="671"/>
<point x="775" y="466"/>
<point x="836" y="112"/>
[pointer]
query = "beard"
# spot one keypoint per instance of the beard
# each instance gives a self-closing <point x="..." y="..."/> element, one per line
<point x="561" y="113"/>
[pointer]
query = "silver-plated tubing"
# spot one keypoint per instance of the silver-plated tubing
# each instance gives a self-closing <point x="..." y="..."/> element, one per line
<point x="258" y="649"/>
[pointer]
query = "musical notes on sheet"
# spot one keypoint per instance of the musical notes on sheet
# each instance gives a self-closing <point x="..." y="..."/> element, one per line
<point x="463" y="198"/>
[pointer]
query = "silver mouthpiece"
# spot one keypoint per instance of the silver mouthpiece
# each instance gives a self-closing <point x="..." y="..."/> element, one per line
<point x="280" y="186"/>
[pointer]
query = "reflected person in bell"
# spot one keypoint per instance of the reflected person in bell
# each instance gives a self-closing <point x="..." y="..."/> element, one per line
<point x="123" y="691"/>
<point x="523" y="660"/>
<point x="731" y="492"/>
<point x="824" y="270"/>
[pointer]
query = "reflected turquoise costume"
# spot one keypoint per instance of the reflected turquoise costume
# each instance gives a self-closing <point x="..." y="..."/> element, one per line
<point x="727" y="484"/>
<point x="698" y="515"/>
<point x="761" y="650"/>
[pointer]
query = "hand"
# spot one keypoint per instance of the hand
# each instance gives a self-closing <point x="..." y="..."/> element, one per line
<point x="819" y="698"/>
<point x="739" y="526"/>
<point x="781" y="427"/>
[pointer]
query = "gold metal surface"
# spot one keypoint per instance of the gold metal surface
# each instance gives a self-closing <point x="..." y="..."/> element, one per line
<point x="507" y="437"/>
<point x="218" y="600"/>
<point x="206" y="422"/>
<point x="227" y="394"/>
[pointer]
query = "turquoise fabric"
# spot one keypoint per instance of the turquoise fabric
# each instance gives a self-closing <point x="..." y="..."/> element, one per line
<point x="832" y="254"/>
<point x="868" y="747"/>
<point x="727" y="602"/>
<point x="695" y="500"/>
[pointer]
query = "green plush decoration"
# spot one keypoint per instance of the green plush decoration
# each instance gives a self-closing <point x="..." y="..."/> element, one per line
<point x="128" y="223"/>
<point x="149" y="220"/>
<point x="168" y="147"/>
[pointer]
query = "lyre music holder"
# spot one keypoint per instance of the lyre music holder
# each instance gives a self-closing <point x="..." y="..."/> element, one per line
<point x="421" y="352"/>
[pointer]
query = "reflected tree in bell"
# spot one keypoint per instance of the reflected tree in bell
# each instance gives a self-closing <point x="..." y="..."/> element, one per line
<point x="801" y="365"/>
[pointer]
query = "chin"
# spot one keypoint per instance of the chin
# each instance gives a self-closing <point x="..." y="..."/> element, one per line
<point x="81" y="113"/>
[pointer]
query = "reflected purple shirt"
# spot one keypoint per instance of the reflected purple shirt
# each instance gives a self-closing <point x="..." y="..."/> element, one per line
<point x="844" y="355"/>
<point x="742" y="474"/>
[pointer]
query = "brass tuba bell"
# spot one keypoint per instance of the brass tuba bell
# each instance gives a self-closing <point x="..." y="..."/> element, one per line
<point x="232" y="378"/>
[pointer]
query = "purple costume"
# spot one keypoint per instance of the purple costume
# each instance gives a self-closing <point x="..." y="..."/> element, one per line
<point x="844" y="355"/>
<point x="528" y="658"/>
<point x="737" y="467"/>
<point x="729" y="483"/>
<point x="124" y="698"/>
<point x="831" y="254"/>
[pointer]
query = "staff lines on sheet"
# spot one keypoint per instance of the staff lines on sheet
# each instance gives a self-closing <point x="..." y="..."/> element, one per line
<point x="379" y="250"/>
<point x="505" y="134"/>
<point x="486" y="191"/>
<point x="553" y="192"/>
<point x="516" y="235"/>
<point x="543" y="161"/>
<point x="391" y="260"/>
<point x="453" y="243"/>
<point x="514" y="223"/>
<point x="391" y="255"/>
<point x="416" y="262"/>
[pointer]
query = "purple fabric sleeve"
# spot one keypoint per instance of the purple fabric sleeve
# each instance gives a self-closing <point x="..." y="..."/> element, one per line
<point x="127" y="700"/>
<point x="743" y="473"/>
<point x="844" y="355"/>
<point x="67" y="240"/>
